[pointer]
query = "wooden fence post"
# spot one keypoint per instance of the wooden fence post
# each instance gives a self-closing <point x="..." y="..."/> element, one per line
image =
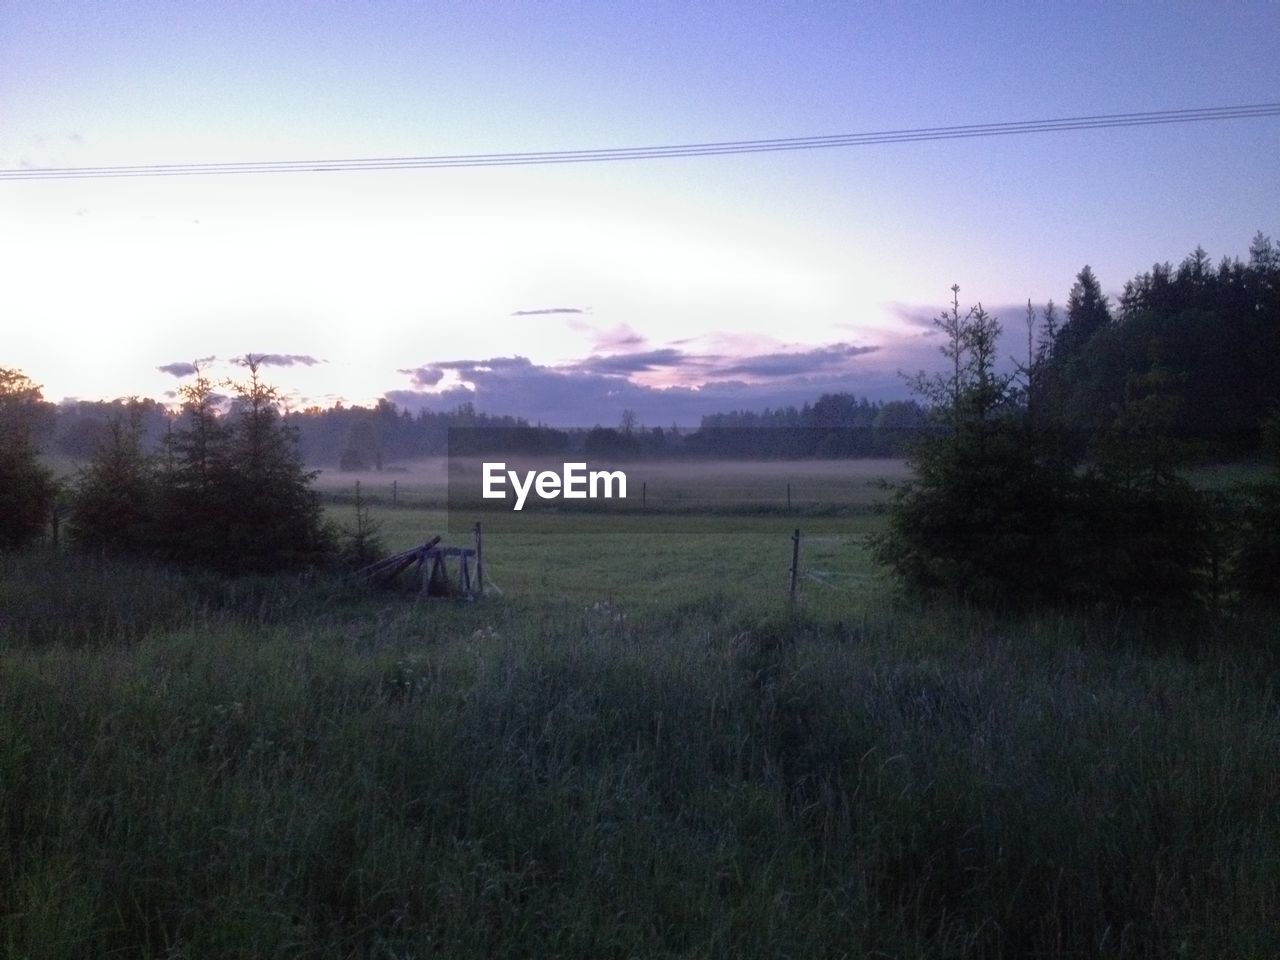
<point x="795" y="564"/>
<point x="479" y="562"/>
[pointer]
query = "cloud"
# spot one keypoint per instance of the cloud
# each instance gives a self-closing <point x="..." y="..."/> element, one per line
<point x="424" y="376"/>
<point x="626" y="363"/>
<point x="184" y="369"/>
<point x="598" y="389"/>
<point x="543" y="311"/>
<point x="517" y="386"/>
<point x="913" y="315"/>
<point x="178" y="369"/>
<point x="467" y="369"/>
<point x="279" y="359"/>
<point x="617" y="337"/>
<point x="796" y="364"/>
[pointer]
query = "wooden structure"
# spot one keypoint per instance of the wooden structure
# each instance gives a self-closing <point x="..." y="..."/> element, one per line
<point x="431" y="569"/>
<point x="433" y="572"/>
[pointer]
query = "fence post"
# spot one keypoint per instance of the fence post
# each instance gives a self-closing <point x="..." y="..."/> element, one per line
<point x="795" y="564"/>
<point x="479" y="562"/>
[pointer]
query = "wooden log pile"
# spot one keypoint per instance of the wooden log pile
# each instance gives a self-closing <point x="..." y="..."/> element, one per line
<point x="386" y="570"/>
<point x="428" y="559"/>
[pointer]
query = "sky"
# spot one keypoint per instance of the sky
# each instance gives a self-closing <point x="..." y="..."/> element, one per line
<point x="568" y="293"/>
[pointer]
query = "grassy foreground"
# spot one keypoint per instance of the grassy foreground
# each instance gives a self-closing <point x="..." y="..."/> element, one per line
<point x="192" y="768"/>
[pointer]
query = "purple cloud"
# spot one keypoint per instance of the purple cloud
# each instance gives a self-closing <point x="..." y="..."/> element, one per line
<point x="802" y="363"/>
<point x="626" y="363"/>
<point x="543" y="311"/>
<point x="597" y="390"/>
<point x="183" y="369"/>
<point x="470" y="368"/>
<point x="279" y="359"/>
<point x="424" y="376"/>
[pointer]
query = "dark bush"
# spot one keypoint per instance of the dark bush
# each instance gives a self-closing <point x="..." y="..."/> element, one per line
<point x="999" y="510"/>
<point x="26" y="488"/>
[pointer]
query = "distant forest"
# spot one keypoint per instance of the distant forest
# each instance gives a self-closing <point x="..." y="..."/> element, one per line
<point x="1206" y="336"/>
<point x="384" y="436"/>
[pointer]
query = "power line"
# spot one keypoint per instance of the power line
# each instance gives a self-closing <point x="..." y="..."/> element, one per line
<point x="719" y="148"/>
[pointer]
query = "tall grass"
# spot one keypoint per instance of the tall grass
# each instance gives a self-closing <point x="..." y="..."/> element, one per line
<point x="356" y="777"/>
<point x="68" y="598"/>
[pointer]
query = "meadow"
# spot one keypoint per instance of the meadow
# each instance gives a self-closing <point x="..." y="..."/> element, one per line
<point x="637" y="748"/>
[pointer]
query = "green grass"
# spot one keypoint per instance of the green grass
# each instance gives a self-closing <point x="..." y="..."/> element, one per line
<point x="637" y="750"/>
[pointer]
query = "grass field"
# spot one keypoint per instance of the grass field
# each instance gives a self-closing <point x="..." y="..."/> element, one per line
<point x="637" y="750"/>
<point x="736" y="542"/>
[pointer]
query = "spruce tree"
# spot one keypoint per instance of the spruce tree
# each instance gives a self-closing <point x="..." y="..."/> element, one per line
<point x="274" y="519"/>
<point x="115" y="499"/>
<point x="26" y="488"/>
<point x="978" y="518"/>
<point x="1087" y="312"/>
<point x="236" y="497"/>
<point x="196" y="493"/>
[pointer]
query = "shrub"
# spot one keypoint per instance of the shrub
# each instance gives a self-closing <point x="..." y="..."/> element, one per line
<point x="361" y="544"/>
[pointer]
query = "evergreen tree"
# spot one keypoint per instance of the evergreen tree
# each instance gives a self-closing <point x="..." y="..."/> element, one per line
<point x="1049" y="331"/>
<point x="361" y="544"/>
<point x="978" y="518"/>
<point x="114" y="503"/>
<point x="26" y="487"/>
<point x="362" y="451"/>
<point x="1087" y="313"/>
<point x="197" y="496"/>
<point x="1143" y="534"/>
<point x="273" y="519"/>
<point x="235" y="495"/>
<point x="997" y="510"/>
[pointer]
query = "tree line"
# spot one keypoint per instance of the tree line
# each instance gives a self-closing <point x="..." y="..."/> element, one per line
<point x="221" y="492"/>
<point x="359" y="438"/>
<point x="1209" y="334"/>
<point x="1063" y="481"/>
